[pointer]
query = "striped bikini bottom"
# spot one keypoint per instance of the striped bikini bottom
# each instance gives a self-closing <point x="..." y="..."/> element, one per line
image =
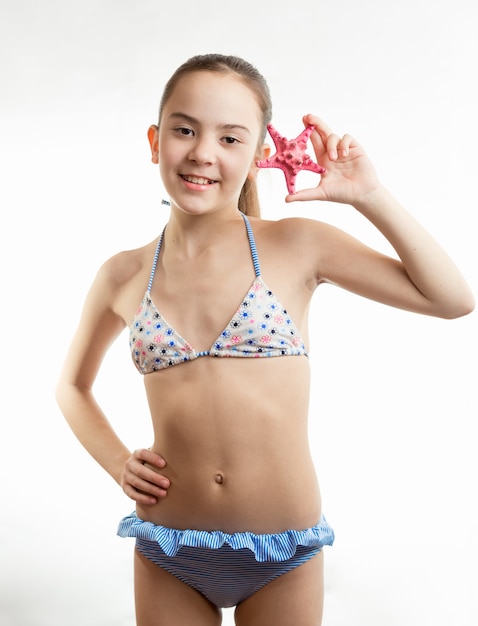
<point x="225" y="568"/>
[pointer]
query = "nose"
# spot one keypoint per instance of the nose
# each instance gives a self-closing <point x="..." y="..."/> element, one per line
<point x="203" y="150"/>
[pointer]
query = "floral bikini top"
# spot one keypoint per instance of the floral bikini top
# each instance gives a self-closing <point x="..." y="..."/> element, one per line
<point x="261" y="327"/>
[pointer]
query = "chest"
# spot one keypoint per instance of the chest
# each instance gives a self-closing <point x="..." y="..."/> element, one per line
<point x="199" y="299"/>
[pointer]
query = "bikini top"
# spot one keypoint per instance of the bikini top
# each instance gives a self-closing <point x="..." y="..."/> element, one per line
<point x="261" y="327"/>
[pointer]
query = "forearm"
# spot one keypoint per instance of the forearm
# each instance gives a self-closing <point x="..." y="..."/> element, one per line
<point x="427" y="265"/>
<point x="92" y="429"/>
<point x="426" y="280"/>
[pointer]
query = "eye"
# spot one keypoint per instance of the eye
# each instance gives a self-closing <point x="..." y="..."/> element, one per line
<point x="230" y="140"/>
<point x="184" y="131"/>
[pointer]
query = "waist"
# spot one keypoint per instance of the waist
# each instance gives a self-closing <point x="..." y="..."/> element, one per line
<point x="266" y="546"/>
<point x="269" y="497"/>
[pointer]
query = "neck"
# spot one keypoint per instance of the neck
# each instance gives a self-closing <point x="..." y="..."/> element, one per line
<point x="191" y="234"/>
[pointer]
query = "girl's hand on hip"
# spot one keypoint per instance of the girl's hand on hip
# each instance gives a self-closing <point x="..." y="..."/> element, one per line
<point x="140" y="482"/>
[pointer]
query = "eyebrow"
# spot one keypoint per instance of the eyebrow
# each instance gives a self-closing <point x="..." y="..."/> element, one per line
<point x="193" y="120"/>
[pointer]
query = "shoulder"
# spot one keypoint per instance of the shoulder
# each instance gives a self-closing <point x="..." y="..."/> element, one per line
<point x="124" y="266"/>
<point x="121" y="281"/>
<point x="295" y="232"/>
<point x="310" y="247"/>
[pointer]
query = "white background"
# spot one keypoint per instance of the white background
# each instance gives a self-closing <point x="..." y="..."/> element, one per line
<point x="394" y="394"/>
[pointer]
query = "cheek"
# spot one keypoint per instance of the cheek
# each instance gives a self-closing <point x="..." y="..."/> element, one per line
<point x="245" y="163"/>
<point x="242" y="173"/>
<point x="169" y="156"/>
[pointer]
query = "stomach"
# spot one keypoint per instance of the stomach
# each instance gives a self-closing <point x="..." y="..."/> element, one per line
<point x="234" y="436"/>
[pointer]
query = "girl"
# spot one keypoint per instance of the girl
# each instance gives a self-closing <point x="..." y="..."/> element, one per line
<point x="228" y="509"/>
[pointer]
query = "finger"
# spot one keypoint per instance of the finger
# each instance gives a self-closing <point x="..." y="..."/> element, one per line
<point x="305" y="195"/>
<point x="137" y="483"/>
<point x="333" y="142"/>
<point x="335" y="146"/>
<point x="344" y="145"/>
<point x="321" y="127"/>
<point x="323" y="134"/>
<point x="147" y="456"/>
<point x="139" y="496"/>
<point x="149" y="476"/>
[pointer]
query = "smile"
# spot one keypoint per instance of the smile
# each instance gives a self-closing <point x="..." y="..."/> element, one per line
<point x="198" y="180"/>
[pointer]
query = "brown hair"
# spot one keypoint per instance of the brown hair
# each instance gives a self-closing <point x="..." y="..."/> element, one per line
<point x="248" y="199"/>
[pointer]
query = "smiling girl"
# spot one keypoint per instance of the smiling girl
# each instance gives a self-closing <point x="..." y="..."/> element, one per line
<point x="228" y="508"/>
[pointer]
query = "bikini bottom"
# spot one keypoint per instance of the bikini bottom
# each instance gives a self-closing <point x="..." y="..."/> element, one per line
<point x="225" y="568"/>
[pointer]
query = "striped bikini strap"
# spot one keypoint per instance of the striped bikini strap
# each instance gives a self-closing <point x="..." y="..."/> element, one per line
<point x="252" y="245"/>
<point x="155" y="260"/>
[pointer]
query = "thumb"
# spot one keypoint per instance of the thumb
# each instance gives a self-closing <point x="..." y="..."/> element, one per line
<point x="305" y="195"/>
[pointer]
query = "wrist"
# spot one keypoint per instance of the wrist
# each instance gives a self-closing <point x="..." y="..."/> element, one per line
<point x="373" y="200"/>
<point x="117" y="472"/>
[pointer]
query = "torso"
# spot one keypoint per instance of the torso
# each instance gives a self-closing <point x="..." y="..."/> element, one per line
<point x="233" y="431"/>
<point x="237" y="451"/>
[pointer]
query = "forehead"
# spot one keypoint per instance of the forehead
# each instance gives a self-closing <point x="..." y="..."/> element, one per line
<point x="212" y="96"/>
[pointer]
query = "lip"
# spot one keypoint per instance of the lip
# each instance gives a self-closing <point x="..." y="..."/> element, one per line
<point x="195" y="181"/>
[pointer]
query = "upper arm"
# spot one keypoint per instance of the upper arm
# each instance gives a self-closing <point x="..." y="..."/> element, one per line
<point x="349" y="263"/>
<point x="333" y="256"/>
<point x="98" y="327"/>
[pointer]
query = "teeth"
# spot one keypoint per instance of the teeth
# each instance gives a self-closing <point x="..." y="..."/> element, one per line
<point x="198" y="181"/>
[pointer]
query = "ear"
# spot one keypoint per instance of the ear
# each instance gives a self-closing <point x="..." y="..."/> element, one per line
<point x="264" y="153"/>
<point x="153" y="138"/>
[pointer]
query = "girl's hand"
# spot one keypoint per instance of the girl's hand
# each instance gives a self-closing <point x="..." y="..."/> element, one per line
<point x="140" y="482"/>
<point x="350" y="175"/>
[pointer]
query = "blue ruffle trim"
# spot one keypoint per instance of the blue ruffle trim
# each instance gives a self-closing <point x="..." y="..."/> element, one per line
<point x="267" y="547"/>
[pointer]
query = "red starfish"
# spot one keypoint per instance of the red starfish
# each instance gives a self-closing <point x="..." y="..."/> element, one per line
<point x="290" y="156"/>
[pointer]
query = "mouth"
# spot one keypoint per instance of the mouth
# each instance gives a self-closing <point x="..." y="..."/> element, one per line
<point x="198" y="180"/>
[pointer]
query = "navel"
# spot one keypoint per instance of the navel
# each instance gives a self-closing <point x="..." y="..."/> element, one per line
<point x="219" y="478"/>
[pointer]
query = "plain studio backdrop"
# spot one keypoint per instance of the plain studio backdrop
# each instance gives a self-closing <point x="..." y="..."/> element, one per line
<point x="393" y="407"/>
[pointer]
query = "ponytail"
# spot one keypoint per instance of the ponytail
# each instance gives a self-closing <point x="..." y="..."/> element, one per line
<point x="249" y="199"/>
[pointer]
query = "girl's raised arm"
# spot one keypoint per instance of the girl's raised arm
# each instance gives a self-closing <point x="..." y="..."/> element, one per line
<point x="424" y="279"/>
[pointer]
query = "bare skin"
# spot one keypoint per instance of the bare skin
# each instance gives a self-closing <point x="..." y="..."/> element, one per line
<point x="230" y="447"/>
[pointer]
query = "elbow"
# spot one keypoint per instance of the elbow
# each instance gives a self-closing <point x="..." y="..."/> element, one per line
<point x="459" y="308"/>
<point x="60" y="395"/>
<point x="63" y="396"/>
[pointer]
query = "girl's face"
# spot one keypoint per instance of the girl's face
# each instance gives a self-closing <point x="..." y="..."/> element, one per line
<point x="207" y="142"/>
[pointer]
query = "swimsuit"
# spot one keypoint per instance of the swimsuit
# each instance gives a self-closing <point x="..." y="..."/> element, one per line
<point x="225" y="568"/>
<point x="261" y="327"/>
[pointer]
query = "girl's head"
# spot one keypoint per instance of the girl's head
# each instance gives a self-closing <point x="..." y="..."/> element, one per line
<point x="254" y="81"/>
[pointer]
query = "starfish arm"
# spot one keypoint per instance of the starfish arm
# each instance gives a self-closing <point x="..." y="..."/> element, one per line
<point x="270" y="162"/>
<point x="279" y="140"/>
<point x="313" y="167"/>
<point x="305" y="135"/>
